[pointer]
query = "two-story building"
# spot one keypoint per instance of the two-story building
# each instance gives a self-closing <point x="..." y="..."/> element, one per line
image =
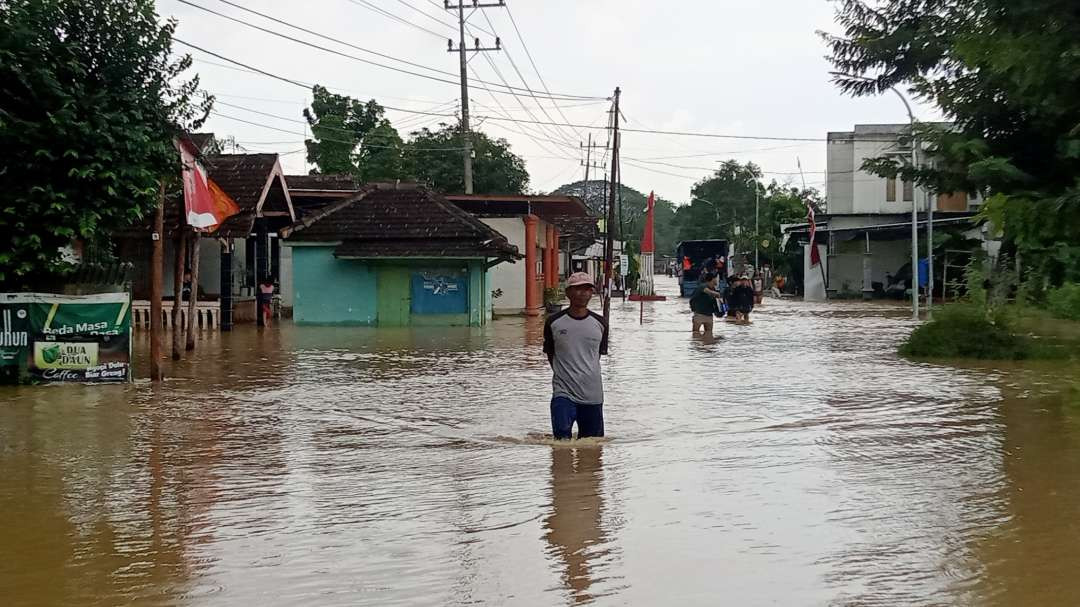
<point x="864" y="236"/>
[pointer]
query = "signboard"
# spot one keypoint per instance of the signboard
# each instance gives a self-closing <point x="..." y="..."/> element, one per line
<point x="47" y="337"/>
<point x="624" y="264"/>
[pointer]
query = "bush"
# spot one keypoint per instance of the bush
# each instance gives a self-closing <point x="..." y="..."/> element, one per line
<point x="965" y="331"/>
<point x="1065" y="302"/>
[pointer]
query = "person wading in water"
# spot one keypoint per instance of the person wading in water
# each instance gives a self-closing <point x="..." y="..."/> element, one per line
<point x="704" y="303"/>
<point x="574" y="340"/>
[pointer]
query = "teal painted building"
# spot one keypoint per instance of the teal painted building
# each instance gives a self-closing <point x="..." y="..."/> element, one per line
<point x="394" y="255"/>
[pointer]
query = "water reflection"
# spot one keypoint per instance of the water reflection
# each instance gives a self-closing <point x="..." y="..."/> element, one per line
<point x="797" y="461"/>
<point x="573" y="528"/>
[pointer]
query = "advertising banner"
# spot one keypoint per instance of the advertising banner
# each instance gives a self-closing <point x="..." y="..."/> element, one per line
<point x="82" y="338"/>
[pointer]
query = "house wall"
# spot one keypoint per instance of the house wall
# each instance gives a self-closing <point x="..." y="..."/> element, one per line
<point x="841" y="161"/>
<point x="331" y="291"/>
<point x="846" y="263"/>
<point x="286" y="278"/>
<point x="813" y="285"/>
<point x="509" y="277"/>
<point x="851" y="190"/>
<point x="327" y="290"/>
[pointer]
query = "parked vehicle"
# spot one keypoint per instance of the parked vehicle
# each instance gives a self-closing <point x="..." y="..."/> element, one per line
<point x="697" y="251"/>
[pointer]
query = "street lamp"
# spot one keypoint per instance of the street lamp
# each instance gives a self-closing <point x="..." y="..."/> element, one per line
<point x="914" y="204"/>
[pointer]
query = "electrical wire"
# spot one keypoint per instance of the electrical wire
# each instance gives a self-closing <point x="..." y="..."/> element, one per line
<point x="350" y="45"/>
<point x="274" y="128"/>
<point x="539" y="122"/>
<point x="528" y="54"/>
<point x="368" y="5"/>
<point x="532" y="94"/>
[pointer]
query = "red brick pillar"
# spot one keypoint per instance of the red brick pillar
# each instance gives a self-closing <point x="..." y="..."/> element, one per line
<point x="549" y="257"/>
<point x="555" y="271"/>
<point x="532" y="286"/>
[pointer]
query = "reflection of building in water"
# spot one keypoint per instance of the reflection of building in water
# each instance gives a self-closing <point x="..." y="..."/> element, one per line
<point x="573" y="528"/>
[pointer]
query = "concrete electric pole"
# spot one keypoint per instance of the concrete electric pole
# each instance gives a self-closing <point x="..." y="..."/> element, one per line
<point x="460" y="50"/>
<point x="609" y="224"/>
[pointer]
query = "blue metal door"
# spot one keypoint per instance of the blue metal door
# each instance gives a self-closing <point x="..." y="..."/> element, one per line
<point x="440" y="291"/>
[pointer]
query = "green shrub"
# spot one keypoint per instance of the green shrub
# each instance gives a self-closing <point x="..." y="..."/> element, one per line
<point x="1065" y="302"/>
<point x="965" y="331"/>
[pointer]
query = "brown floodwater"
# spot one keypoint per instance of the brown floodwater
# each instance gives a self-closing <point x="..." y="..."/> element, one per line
<point x="798" y="461"/>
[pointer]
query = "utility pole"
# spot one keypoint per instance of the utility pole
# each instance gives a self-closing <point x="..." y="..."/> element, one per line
<point x="465" y="133"/>
<point x="609" y="252"/>
<point x="757" y="228"/>
<point x="587" y="164"/>
<point x="930" y="254"/>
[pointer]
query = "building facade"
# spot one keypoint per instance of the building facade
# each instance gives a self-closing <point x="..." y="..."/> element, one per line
<point x="545" y="229"/>
<point x="394" y="255"/>
<point x="866" y="229"/>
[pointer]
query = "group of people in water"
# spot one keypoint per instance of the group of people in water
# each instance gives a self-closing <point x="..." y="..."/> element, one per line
<point x="716" y="297"/>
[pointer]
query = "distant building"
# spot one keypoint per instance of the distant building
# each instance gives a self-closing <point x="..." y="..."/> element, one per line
<point x="236" y="254"/>
<point x="865" y="234"/>
<point x="394" y="255"/>
<point x="548" y="230"/>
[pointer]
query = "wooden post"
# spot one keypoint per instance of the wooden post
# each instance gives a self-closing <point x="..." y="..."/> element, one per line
<point x="178" y="283"/>
<point x="193" y="302"/>
<point x="157" y="261"/>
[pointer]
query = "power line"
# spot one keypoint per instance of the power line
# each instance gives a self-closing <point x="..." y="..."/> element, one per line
<point x="535" y="69"/>
<point x="386" y="13"/>
<point x="539" y="122"/>
<point x="350" y="45"/>
<point x="521" y="76"/>
<point x="321" y="139"/>
<point x="428" y="15"/>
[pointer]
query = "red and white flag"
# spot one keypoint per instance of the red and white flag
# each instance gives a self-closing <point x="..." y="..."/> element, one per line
<point x="205" y="204"/>
<point x="815" y="255"/>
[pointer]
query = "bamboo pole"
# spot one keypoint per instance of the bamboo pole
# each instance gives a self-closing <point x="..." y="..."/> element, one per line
<point x="193" y="302"/>
<point x="178" y="283"/>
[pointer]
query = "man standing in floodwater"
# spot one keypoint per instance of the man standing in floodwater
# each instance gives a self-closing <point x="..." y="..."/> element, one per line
<point x="574" y="340"/>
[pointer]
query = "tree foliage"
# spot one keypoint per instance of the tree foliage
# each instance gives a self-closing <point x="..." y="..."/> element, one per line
<point x="339" y="125"/>
<point x="1006" y="73"/>
<point x="90" y="100"/>
<point x="355" y="138"/>
<point x="435" y="157"/>
<point x="633" y="202"/>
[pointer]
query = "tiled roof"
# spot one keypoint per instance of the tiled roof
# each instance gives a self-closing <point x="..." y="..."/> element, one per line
<point x="432" y="247"/>
<point x="341" y="183"/>
<point x="201" y="140"/>
<point x="242" y="176"/>
<point x="406" y="219"/>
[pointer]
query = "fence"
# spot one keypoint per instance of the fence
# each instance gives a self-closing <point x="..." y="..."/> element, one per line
<point x="207" y="314"/>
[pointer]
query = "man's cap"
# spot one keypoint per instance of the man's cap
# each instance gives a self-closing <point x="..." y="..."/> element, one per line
<point x="579" y="279"/>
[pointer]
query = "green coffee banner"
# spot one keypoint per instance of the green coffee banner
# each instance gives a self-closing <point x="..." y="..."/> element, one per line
<point x="84" y="338"/>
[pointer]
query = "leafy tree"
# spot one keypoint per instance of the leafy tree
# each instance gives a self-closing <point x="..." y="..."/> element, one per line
<point x="720" y="202"/>
<point x="339" y="125"/>
<point x="633" y="212"/>
<point x="1006" y="73"/>
<point x="435" y="157"/>
<point x="381" y="156"/>
<point x="90" y="100"/>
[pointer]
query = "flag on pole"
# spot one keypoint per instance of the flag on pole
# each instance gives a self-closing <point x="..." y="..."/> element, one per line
<point x="205" y="204"/>
<point x="815" y="255"/>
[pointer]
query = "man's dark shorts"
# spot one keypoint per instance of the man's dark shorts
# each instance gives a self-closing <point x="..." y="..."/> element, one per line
<point x="564" y="412"/>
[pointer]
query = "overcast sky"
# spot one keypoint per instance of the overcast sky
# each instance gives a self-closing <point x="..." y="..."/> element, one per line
<point x="707" y="66"/>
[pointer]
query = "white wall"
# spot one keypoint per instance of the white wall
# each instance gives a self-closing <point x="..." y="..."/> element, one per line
<point x="852" y="190"/>
<point x="509" y="277"/>
<point x="813" y="284"/>
<point x="841" y="163"/>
